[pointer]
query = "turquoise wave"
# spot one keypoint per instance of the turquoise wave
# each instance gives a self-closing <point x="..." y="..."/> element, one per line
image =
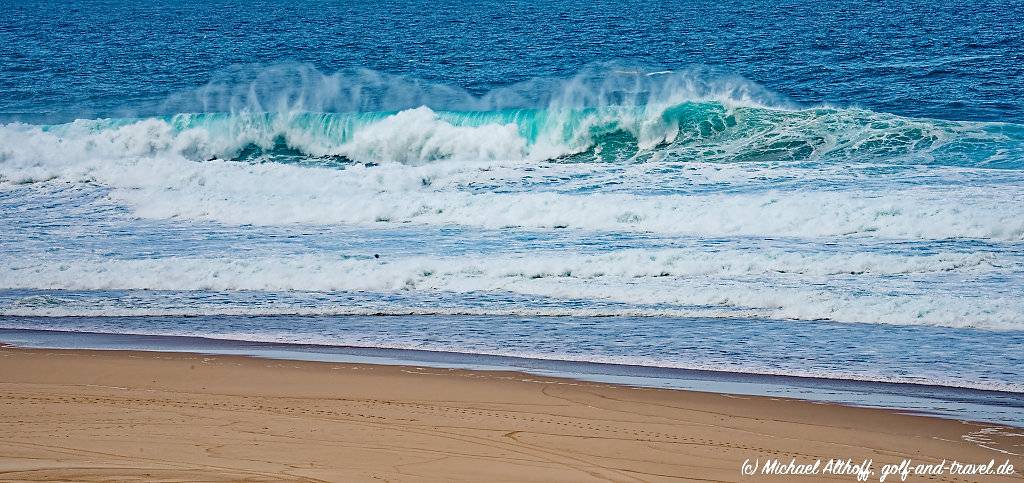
<point x="690" y="131"/>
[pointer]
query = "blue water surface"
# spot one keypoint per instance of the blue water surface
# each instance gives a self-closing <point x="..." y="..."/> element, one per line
<point x="829" y="190"/>
<point x="946" y="59"/>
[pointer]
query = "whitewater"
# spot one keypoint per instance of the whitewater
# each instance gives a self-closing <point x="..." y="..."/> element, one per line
<point x="284" y="203"/>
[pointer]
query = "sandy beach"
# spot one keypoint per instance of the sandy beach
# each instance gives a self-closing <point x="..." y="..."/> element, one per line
<point x="119" y="415"/>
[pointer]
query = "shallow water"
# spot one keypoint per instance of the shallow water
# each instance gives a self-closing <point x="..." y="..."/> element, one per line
<point x="977" y="405"/>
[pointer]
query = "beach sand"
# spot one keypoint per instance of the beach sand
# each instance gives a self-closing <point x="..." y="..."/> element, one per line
<point x="118" y="415"/>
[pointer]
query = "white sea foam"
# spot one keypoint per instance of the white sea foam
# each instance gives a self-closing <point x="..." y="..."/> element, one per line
<point x="442" y="194"/>
<point x="327" y="273"/>
<point x="727" y="283"/>
<point x="239" y="193"/>
<point x="418" y="135"/>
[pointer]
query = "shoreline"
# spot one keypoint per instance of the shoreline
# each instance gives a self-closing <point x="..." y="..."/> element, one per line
<point x="93" y="414"/>
<point x="950" y="402"/>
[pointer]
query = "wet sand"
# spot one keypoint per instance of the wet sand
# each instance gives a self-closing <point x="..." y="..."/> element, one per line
<point x="121" y="415"/>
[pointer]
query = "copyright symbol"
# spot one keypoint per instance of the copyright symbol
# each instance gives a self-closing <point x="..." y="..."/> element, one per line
<point x="748" y="468"/>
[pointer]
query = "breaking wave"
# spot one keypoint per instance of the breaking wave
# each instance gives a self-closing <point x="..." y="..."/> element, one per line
<point x="605" y="113"/>
<point x="689" y="131"/>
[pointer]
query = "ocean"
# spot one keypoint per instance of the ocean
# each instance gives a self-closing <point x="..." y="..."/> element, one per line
<point x="787" y="189"/>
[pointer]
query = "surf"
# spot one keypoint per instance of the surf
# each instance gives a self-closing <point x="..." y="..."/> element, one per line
<point x="690" y="131"/>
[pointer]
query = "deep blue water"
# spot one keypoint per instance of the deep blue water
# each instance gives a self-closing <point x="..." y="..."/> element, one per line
<point x="653" y="183"/>
<point x="945" y="59"/>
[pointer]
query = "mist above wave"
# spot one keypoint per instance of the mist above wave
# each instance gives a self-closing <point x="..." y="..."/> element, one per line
<point x="303" y="88"/>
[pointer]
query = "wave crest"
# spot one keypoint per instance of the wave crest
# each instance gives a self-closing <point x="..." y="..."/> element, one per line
<point x="607" y="112"/>
<point x="704" y="132"/>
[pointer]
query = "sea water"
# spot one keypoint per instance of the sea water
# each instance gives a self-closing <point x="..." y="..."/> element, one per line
<point x="830" y="191"/>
